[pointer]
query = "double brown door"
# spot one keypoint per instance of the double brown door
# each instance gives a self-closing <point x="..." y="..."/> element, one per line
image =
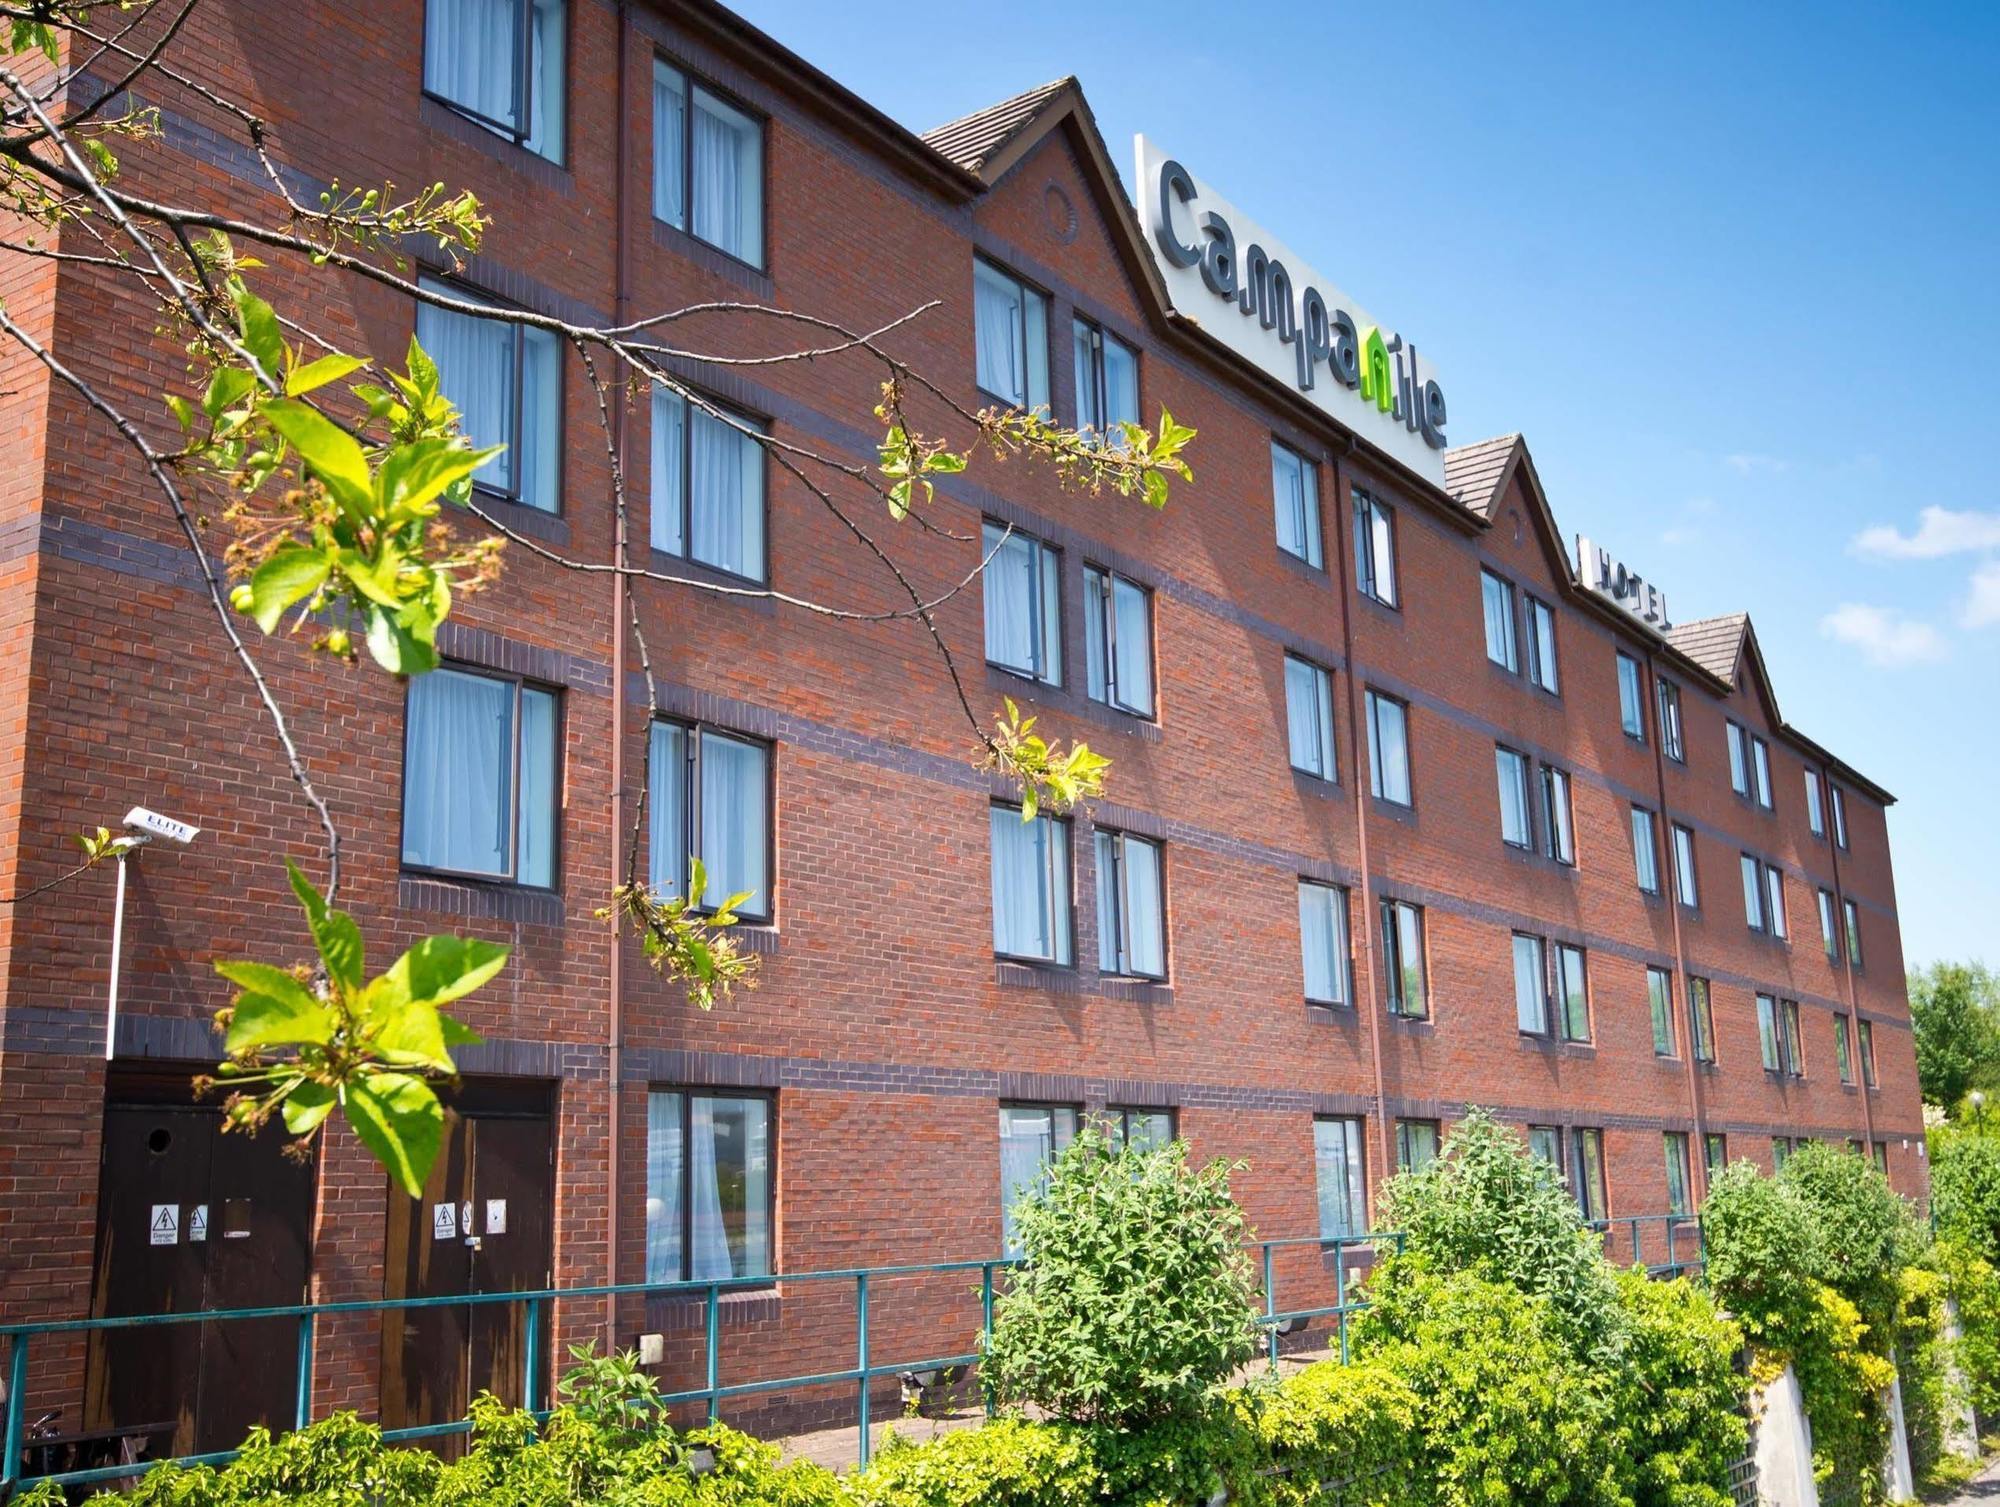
<point x="191" y="1218"/>
<point x="483" y="1225"/>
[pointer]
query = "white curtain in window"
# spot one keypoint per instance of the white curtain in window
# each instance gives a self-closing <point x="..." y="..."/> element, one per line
<point x="669" y="146"/>
<point x="1295" y="497"/>
<point x="1030" y="886"/>
<point x="475" y="362"/>
<point x="535" y="850"/>
<point x="472" y="55"/>
<point x="1030" y="1137"/>
<point x="1144" y="908"/>
<point x="546" y="43"/>
<point x="1133" y="647"/>
<point x="1083" y="342"/>
<point x="1096" y="663"/>
<point x="1498" y="600"/>
<point x="733" y="821"/>
<point x="1512" y="770"/>
<point x="727" y="476"/>
<point x="1323" y="941"/>
<point x="457" y="773"/>
<point x="1010" y="584"/>
<point x="666" y="808"/>
<point x="1531" y="1011"/>
<point x="1121" y="384"/>
<point x="669" y="471"/>
<point x="1392" y="773"/>
<point x="729" y="1187"/>
<point x="1380" y="548"/>
<point x="1753" y="896"/>
<point x="666" y="1161"/>
<point x="708" y="1233"/>
<point x="1110" y="956"/>
<point x="1309" y="717"/>
<point x="1644" y="852"/>
<point x="1562" y="835"/>
<point x="541" y="420"/>
<point x="728" y="178"/>
<point x="1337" y="1163"/>
<point x="998" y="330"/>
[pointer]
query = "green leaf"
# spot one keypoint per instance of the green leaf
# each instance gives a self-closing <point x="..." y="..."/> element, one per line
<point x="274" y="1009"/>
<point x="307" y="1107"/>
<point x="395" y="648"/>
<point x="457" y="1033"/>
<point x="331" y="451"/>
<point x="414" y="475"/>
<point x="411" y="1035"/>
<point x="226" y="389"/>
<point x="439" y="970"/>
<point x="261" y="336"/>
<point x="400" y="1120"/>
<point x="334" y="933"/>
<point x="182" y="410"/>
<point x="315" y="374"/>
<point x="293" y="573"/>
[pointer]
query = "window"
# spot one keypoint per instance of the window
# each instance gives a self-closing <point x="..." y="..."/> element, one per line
<point x="708" y="485"/>
<point x="1865" y="1035"/>
<point x="1753" y="894"/>
<point x="1685" y="886"/>
<point x="506" y="382"/>
<point x="1403" y="959"/>
<point x="1587" y="1161"/>
<point x="1739" y="758"/>
<point x="1670" y="721"/>
<point x="1503" y="644"/>
<point x="1842" y="1052"/>
<point x="1023" y="583"/>
<point x="1340" y="1165"/>
<point x="1388" y="749"/>
<point x="1542" y="645"/>
<point x="1790" y="1037"/>
<point x="1839" y="815"/>
<point x="1513" y="772"/>
<point x="1853" y="917"/>
<point x="1416" y="1144"/>
<point x="1560" y="833"/>
<point x="1829" y="935"/>
<point x="1031" y="910"/>
<point x="1646" y="850"/>
<point x="1141" y="1129"/>
<point x="1774" y="898"/>
<point x="1781" y="1151"/>
<point x="708" y="166"/>
<point x="1323" y="940"/>
<point x="1760" y="770"/>
<point x="1107" y="383"/>
<point x="1701" y="1021"/>
<point x="1374" y="549"/>
<point x="1030" y="1137"/>
<point x="708" y="1186"/>
<point x="500" y="62"/>
<point x="1545" y="1146"/>
<point x="1660" y="1001"/>
<point x="1815" y="804"/>
<point x="1011" y="335"/>
<point x="1768" y="1043"/>
<point x="1118" y="642"/>
<point x="1678" y="1180"/>
<point x="1131" y="913"/>
<point x="479" y="777"/>
<point x="1295" y="497"/>
<point x="1882" y="1157"/>
<point x="1715" y="1152"/>
<point x="1531" y="985"/>
<point x="1309" y="718"/>
<point x="1631" y="700"/>
<point x="711" y="801"/>
<point x="1572" y="993"/>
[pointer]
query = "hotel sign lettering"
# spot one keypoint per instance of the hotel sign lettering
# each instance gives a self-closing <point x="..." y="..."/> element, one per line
<point x="1623" y="587"/>
<point x="1279" y="314"/>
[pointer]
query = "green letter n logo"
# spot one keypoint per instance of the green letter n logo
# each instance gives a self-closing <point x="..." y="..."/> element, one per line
<point x="1378" y="384"/>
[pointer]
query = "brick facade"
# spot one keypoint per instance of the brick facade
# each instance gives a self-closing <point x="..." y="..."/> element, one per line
<point x="882" y="1025"/>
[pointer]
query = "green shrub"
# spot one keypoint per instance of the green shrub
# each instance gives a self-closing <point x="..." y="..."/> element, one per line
<point x="1865" y="1231"/>
<point x="1975" y="1288"/>
<point x="1762" y="1245"/>
<point x="1965" y="1189"/>
<point x="1485" y="1206"/>
<point x="1677" y="1394"/>
<point x="1008" y="1462"/>
<point x="1343" y="1426"/>
<point x="1136" y="1298"/>
<point x="1924" y="1355"/>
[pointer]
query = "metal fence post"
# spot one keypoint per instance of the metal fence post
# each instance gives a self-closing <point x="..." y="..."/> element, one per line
<point x="861" y="1351"/>
<point x="1340" y="1293"/>
<point x="1673" y="1267"/>
<point x="714" y="1327"/>
<point x="986" y="1331"/>
<point x="17" y="1403"/>
<point x="1270" y="1306"/>
<point x="302" y="1408"/>
<point x="531" y="1345"/>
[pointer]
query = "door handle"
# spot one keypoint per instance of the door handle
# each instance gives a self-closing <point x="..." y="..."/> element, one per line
<point x="473" y="1242"/>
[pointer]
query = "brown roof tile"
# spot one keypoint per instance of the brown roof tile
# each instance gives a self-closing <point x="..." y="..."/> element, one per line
<point x="1472" y="473"/>
<point x="971" y="140"/>
<point x="1714" y="643"/>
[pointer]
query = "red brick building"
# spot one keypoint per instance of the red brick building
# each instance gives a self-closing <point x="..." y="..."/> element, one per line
<point x="1405" y="817"/>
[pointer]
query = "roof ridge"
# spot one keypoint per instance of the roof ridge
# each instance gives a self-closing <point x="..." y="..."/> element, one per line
<point x="971" y="140"/>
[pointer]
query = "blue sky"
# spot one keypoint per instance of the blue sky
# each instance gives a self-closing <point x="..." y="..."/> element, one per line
<point x="1732" y="270"/>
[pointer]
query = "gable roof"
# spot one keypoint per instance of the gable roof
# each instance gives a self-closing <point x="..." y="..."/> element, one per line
<point x="972" y="141"/>
<point x="1476" y="474"/>
<point x="1714" y="643"/>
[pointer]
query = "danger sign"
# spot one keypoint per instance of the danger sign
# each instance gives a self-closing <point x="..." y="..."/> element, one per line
<point x="166" y="1224"/>
<point x="444" y="1221"/>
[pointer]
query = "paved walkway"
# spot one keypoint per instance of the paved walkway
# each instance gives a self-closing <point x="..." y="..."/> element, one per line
<point x="1982" y="1491"/>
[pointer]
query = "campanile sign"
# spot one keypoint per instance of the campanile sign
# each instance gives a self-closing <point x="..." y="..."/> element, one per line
<point x="1245" y="287"/>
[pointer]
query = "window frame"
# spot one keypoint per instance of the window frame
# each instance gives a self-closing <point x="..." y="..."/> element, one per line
<point x="1815" y="803"/>
<point x="1049" y="638"/>
<point x="1687" y="874"/>
<point x="1067" y="914"/>
<point x="1791" y="1038"/>
<point x="1680" y="1201"/>
<point x="1839" y="803"/>
<point x="1098" y="338"/>
<point x="741" y="421"/>
<point x="1354" y="1132"/>
<point x="1843" y="1049"/>
<point x="693" y="734"/>
<point x="1851" y="919"/>
<point x="1829" y="926"/>
<point x="512" y="494"/>
<point x="1522" y="767"/>
<point x="1487" y="578"/>
<point x="1770" y="1042"/>
<point x="1542" y="660"/>
<point x="1117" y="1121"/>
<point x="557" y="718"/>
<point x="523" y="84"/>
<point x="1343" y="912"/>
<point x="1544" y="1027"/>
<point x="1755" y="902"/>
<point x="1118" y="838"/>
<point x="1369" y="584"/>
<point x="1108" y="639"/>
<point x="1372" y="700"/>
<point x="1312" y="525"/>
<point x="1660" y="1007"/>
<point x="1028" y="289"/>
<point x="769" y="1099"/>
<point x="1586" y="1151"/>
<point x="1404" y="1161"/>
<point x="1078" y="1122"/>
<point x="1647" y="856"/>
<point x="1714" y="1151"/>
<point x="690" y="82"/>
<point x="1329" y="741"/>
<point x="1701" y="1019"/>
<point x="1395" y="972"/>
<point x="1864" y="1042"/>
<point x="1560" y="958"/>
<point x="1667" y="703"/>
<point x="1558" y="816"/>
<point x="1637" y="708"/>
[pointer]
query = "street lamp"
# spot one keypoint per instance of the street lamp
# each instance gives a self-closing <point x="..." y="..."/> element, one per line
<point x="1977" y="1099"/>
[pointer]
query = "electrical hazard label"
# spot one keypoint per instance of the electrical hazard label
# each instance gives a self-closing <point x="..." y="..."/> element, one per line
<point x="166" y="1224"/>
<point x="444" y="1221"/>
<point x="197" y="1223"/>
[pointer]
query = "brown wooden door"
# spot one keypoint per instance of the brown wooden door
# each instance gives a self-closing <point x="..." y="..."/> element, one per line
<point x="190" y="1218"/>
<point x="482" y="1225"/>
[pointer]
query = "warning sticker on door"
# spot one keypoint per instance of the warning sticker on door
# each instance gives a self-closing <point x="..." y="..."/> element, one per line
<point x="496" y="1216"/>
<point x="465" y="1218"/>
<point x="444" y="1221"/>
<point x="197" y="1223"/>
<point x="166" y="1224"/>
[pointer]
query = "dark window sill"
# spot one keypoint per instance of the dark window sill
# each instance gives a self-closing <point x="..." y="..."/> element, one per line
<point x="737" y="1309"/>
<point x="1052" y="978"/>
<point x="712" y="258"/>
<point x="1394" y="610"/>
<point x="1331" y="1014"/>
<point x="1396" y="811"/>
<point x="686" y="568"/>
<point x="439" y="895"/>
<point x="1137" y="991"/>
<point x="1412" y="1025"/>
<point x="536" y="523"/>
<point x="450" y="121"/>
<point x="1318" y="786"/>
<point x="1301" y="566"/>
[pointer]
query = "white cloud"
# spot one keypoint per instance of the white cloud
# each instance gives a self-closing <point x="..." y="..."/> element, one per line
<point x="1885" y="637"/>
<point x="1754" y="465"/>
<point x="1940" y="532"/>
<point x="1982" y="607"/>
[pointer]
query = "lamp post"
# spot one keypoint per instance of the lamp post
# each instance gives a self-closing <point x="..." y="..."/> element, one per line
<point x="1977" y="1099"/>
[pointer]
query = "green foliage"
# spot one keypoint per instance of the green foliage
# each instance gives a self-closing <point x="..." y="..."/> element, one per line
<point x="1952" y="1016"/>
<point x="1677" y="1394"/>
<point x="1932" y="1395"/>
<point x="1965" y="1188"/>
<point x="1010" y="1462"/>
<point x="1047" y="774"/>
<point x="1346" y="1427"/>
<point x="1762" y="1244"/>
<point x="1136" y="1298"/>
<point x="1975" y="1288"/>
<point x="304" y="1042"/>
<point x="681" y="942"/>
<point x="1485" y="1206"/>
<point x="1865" y="1231"/>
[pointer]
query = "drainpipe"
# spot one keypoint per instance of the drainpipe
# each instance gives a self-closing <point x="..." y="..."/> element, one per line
<point x="1670" y="878"/>
<point x="615" y="1037"/>
<point x="1846" y="958"/>
<point x="1372" y="1010"/>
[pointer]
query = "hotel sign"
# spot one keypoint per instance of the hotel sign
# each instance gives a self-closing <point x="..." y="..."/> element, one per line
<point x="1245" y="287"/>
<point x="1623" y="587"/>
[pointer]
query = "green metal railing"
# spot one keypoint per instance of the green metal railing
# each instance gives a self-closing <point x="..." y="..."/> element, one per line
<point x="1682" y="1244"/>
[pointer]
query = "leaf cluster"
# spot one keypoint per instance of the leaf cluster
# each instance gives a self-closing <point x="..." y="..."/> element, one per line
<point x="684" y="942"/>
<point x="1048" y="775"/>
